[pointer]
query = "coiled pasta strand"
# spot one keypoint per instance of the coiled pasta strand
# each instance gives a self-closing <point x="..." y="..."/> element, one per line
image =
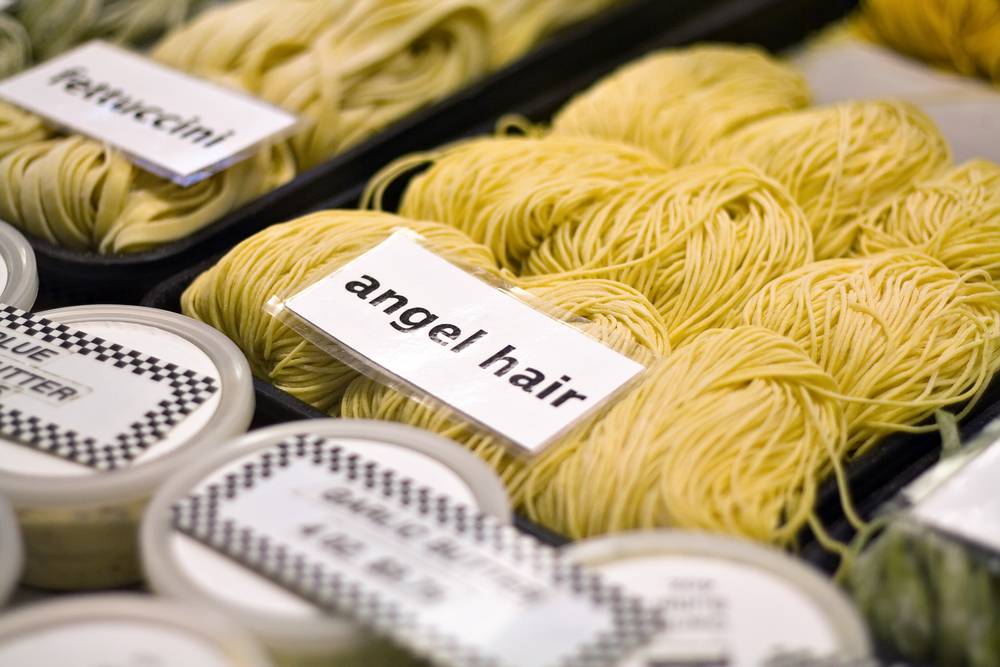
<point x="378" y="62"/>
<point x="840" y="161"/>
<point x="963" y="35"/>
<point x="698" y="242"/>
<point x="38" y="30"/>
<point x="678" y="103"/>
<point x="18" y="128"/>
<point x="78" y="194"/>
<point x="902" y="334"/>
<point x="511" y="193"/>
<point x="57" y="25"/>
<point x="522" y="23"/>
<point x="954" y="218"/>
<point x="15" y="46"/>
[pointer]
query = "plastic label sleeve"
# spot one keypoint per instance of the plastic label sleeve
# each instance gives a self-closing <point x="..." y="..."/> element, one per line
<point x="454" y="586"/>
<point x="966" y="504"/>
<point x="84" y="399"/>
<point x="172" y="124"/>
<point x="408" y="314"/>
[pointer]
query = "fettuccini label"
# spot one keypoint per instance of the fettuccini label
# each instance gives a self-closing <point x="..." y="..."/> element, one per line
<point x="167" y="122"/>
<point x="407" y="314"/>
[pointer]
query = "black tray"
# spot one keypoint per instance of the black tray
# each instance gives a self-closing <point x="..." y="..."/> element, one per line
<point x="873" y="478"/>
<point x="776" y="24"/>
<point x="70" y="277"/>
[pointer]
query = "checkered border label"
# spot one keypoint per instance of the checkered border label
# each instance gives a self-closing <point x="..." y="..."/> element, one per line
<point x="200" y="516"/>
<point x="188" y="390"/>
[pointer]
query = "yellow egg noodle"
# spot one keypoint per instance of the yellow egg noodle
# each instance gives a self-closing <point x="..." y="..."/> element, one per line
<point x="57" y="25"/>
<point x="40" y="29"/>
<point x="18" y="128"/>
<point x="79" y="194"/>
<point x="15" y="46"/>
<point x="678" y="103"/>
<point x="731" y="433"/>
<point x="349" y="68"/>
<point x="840" y="161"/>
<point x="511" y="193"/>
<point x="902" y="334"/>
<point x="963" y="35"/>
<point x="522" y="23"/>
<point x="698" y="242"/>
<point x="954" y="218"/>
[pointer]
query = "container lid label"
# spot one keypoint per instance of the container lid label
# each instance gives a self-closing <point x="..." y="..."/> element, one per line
<point x="84" y="399"/>
<point x="712" y="606"/>
<point x="167" y="122"/>
<point x="407" y="316"/>
<point x="456" y="587"/>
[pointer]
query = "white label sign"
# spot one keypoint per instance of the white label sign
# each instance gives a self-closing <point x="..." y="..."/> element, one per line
<point x="524" y="375"/>
<point x="170" y="123"/>
<point x="967" y="504"/>
<point x="355" y="538"/>
<point x="84" y="399"/>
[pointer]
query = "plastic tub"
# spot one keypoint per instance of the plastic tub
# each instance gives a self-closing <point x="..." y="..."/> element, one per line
<point x="727" y="601"/>
<point x="80" y="525"/>
<point x="126" y="630"/>
<point x="295" y="632"/>
<point x="18" y="272"/>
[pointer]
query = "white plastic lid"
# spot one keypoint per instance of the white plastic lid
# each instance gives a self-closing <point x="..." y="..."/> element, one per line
<point x="126" y="630"/>
<point x="728" y="601"/>
<point x="11" y="551"/>
<point x="18" y="272"/>
<point x="31" y="478"/>
<point x="179" y="566"/>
